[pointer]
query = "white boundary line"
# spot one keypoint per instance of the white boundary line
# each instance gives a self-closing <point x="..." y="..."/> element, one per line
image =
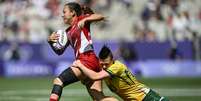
<point x="83" y="92"/>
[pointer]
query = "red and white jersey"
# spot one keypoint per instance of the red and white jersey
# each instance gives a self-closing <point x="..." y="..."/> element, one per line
<point x="80" y="39"/>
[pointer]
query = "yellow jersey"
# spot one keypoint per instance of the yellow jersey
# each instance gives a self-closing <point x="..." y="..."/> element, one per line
<point x="123" y="83"/>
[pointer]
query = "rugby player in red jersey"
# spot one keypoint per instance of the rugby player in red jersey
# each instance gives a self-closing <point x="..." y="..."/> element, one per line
<point x="79" y="37"/>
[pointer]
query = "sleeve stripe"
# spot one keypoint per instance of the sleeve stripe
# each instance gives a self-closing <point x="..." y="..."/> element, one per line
<point x="110" y="72"/>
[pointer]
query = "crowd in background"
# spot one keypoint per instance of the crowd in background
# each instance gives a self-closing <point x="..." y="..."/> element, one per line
<point x="145" y="20"/>
<point x="126" y="20"/>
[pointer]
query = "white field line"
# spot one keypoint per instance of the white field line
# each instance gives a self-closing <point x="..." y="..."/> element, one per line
<point x="179" y="91"/>
<point x="83" y="92"/>
<point x="20" y="98"/>
<point x="66" y="92"/>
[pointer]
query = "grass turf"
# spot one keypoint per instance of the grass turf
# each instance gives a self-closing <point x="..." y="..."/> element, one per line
<point x="38" y="89"/>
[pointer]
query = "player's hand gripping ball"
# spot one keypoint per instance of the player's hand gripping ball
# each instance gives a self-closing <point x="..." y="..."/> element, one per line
<point x="62" y="40"/>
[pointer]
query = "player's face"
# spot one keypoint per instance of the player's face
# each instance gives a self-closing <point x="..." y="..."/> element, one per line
<point x="67" y="15"/>
<point x="105" y="63"/>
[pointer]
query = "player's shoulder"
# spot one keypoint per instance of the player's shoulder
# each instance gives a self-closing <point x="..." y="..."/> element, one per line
<point x="117" y="67"/>
<point x="117" y="64"/>
<point x="120" y="64"/>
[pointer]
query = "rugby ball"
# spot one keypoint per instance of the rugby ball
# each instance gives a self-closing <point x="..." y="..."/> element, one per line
<point x="62" y="41"/>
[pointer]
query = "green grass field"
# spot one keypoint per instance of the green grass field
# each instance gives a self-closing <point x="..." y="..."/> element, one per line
<point x="38" y="89"/>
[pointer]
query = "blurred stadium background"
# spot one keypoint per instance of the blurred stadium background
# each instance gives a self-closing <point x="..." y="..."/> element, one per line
<point x="159" y="40"/>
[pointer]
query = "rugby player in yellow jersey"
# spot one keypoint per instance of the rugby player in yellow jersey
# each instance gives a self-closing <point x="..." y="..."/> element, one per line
<point x="119" y="79"/>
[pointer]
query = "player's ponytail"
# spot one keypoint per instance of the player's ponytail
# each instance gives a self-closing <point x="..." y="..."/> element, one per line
<point x="86" y="10"/>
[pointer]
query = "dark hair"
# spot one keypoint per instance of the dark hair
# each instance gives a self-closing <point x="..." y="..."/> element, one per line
<point x="105" y="52"/>
<point x="73" y="6"/>
<point x="79" y="10"/>
<point x="86" y="10"/>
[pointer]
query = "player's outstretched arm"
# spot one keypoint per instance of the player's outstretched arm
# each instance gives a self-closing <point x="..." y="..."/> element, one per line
<point x="52" y="39"/>
<point x="90" y="19"/>
<point x="90" y="73"/>
<point x="94" y="18"/>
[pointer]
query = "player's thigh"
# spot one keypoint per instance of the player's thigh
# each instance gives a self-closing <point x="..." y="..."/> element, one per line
<point x="90" y="84"/>
<point x="77" y="73"/>
<point x="96" y="85"/>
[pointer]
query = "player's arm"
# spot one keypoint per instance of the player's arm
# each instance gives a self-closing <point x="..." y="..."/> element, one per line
<point x="94" y="17"/>
<point x="91" y="18"/>
<point x="90" y="73"/>
<point x="52" y="39"/>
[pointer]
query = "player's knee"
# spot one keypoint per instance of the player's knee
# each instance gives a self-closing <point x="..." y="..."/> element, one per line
<point x="68" y="77"/>
<point x="57" y="81"/>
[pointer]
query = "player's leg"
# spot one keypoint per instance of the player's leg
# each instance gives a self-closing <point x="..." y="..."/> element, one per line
<point x="56" y="90"/>
<point x="153" y="96"/>
<point x="96" y="92"/>
<point x="68" y="76"/>
<point x="95" y="89"/>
